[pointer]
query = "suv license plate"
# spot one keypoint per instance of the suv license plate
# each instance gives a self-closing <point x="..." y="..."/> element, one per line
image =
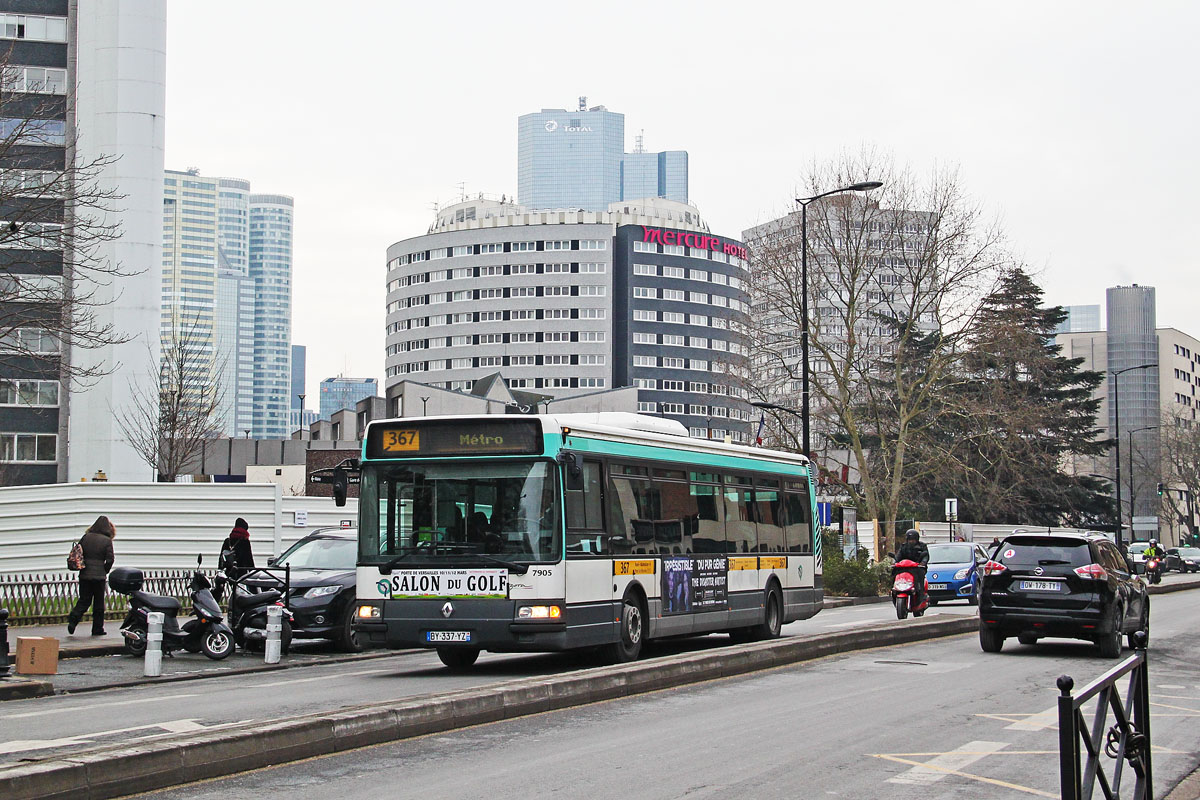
<point x="448" y="636"/>
<point x="1040" y="586"/>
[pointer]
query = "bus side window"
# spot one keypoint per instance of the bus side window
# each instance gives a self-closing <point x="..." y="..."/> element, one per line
<point x="584" y="506"/>
<point x="797" y="528"/>
<point x="708" y="535"/>
<point x="741" y="535"/>
<point x="767" y="511"/>
<point x="622" y="512"/>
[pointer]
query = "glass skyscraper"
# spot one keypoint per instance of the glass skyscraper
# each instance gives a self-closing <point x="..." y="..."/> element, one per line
<point x="227" y="263"/>
<point x="341" y="393"/>
<point x="271" y="270"/>
<point x="577" y="160"/>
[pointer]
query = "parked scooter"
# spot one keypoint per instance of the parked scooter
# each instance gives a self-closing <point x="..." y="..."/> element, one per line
<point x="907" y="576"/>
<point x="1154" y="569"/>
<point x="248" y="609"/>
<point x="206" y="632"/>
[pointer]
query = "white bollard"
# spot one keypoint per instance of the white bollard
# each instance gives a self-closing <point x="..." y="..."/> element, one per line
<point x="274" y="629"/>
<point x="153" y="665"/>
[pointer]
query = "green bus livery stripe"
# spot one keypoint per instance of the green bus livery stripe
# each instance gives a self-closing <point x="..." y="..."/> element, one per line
<point x="680" y="457"/>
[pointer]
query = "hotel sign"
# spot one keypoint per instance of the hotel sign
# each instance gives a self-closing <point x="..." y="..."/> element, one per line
<point x="698" y="240"/>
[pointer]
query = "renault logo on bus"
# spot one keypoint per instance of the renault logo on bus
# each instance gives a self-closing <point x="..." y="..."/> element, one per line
<point x="447" y="610"/>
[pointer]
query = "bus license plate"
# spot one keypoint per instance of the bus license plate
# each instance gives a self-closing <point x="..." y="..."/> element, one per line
<point x="448" y="636"/>
<point x="937" y="586"/>
<point x="1040" y="586"/>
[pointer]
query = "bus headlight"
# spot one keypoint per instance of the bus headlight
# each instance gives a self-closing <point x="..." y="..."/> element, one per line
<point x="539" y="612"/>
<point x="369" y="612"/>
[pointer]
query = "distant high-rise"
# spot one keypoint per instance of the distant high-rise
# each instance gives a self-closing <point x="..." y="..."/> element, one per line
<point x="303" y="412"/>
<point x="577" y="159"/>
<point x="1131" y="342"/>
<point x="270" y="266"/>
<point x="341" y="393"/>
<point x="227" y="292"/>
<point x="1080" y="319"/>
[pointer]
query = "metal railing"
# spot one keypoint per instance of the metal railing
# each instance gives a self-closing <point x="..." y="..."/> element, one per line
<point x="1125" y="742"/>
<point x="46" y="598"/>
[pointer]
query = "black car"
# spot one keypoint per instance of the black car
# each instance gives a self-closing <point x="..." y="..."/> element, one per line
<point x="1184" y="559"/>
<point x="1077" y="586"/>
<point x="323" y="586"/>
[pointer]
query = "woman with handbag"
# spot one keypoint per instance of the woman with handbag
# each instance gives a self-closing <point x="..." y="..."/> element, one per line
<point x="97" y="547"/>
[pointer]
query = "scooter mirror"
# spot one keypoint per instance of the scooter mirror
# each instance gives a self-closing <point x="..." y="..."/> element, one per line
<point x="199" y="559"/>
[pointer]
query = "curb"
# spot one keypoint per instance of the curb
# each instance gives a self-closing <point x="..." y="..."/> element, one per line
<point x="1186" y="789"/>
<point x="1167" y="588"/>
<point x="119" y="770"/>
<point x="237" y="671"/>
<point x="18" y="688"/>
<point x="841" y="602"/>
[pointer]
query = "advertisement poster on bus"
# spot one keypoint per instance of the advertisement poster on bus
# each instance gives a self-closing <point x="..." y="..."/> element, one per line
<point x="695" y="583"/>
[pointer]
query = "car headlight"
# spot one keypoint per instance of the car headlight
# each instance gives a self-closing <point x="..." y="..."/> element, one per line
<point x="369" y="612"/>
<point x="321" y="591"/>
<point x="963" y="573"/>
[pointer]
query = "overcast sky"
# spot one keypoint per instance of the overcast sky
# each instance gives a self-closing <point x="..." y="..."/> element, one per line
<point x="1075" y="123"/>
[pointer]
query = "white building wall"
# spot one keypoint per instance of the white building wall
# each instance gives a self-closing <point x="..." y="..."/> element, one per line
<point x="121" y="105"/>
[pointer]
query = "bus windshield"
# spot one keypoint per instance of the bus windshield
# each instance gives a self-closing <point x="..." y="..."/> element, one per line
<point x="459" y="512"/>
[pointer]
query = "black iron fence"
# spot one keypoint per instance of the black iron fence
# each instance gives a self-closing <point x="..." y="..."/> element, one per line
<point x="46" y="598"/>
<point x="1109" y="749"/>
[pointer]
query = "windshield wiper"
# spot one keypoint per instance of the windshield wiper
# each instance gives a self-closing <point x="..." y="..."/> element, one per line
<point x="455" y="550"/>
<point x="1045" y="562"/>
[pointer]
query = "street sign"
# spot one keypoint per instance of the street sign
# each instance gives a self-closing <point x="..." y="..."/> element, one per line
<point x="301" y="518"/>
<point x="1145" y="523"/>
<point x="951" y="509"/>
<point x="825" y="513"/>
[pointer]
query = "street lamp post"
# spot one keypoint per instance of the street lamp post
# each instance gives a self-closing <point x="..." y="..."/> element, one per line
<point x="862" y="186"/>
<point x="1117" y="444"/>
<point x="301" y="415"/>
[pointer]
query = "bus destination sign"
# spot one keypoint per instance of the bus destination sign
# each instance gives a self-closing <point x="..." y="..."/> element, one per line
<point x="467" y="437"/>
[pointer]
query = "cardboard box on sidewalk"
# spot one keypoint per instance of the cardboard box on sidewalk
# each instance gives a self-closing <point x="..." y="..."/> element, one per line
<point x="37" y="655"/>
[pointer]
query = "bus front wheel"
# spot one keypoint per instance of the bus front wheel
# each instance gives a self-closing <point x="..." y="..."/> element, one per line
<point x="457" y="658"/>
<point x="633" y="631"/>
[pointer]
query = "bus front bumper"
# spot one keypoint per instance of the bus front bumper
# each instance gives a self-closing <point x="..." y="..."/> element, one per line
<point x="479" y="625"/>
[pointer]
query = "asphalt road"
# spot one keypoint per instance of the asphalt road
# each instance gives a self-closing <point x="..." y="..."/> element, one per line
<point x="38" y="728"/>
<point x="930" y="719"/>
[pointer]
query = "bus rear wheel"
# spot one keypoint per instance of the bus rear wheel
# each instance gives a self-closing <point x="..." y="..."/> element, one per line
<point x="633" y="631"/>
<point x="458" y="658"/>
<point x="772" y="622"/>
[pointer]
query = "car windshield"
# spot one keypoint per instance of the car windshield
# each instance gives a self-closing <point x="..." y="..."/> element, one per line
<point x="321" y="554"/>
<point x="1044" y="552"/>
<point x="950" y="553"/>
<point x="1190" y="552"/>
<point x="459" y="511"/>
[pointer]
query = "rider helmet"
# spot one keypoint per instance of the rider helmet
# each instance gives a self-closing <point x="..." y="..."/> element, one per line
<point x="912" y="535"/>
<point x="1154" y="542"/>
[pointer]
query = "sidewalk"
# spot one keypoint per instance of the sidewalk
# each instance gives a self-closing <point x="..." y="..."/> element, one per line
<point x="82" y="643"/>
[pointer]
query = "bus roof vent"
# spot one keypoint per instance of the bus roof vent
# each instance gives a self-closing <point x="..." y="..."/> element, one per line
<point x="623" y="419"/>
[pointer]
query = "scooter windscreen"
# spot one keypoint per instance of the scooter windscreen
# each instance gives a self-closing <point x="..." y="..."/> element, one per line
<point x="207" y="605"/>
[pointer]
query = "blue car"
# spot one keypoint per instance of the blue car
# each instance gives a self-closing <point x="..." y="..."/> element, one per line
<point x="954" y="570"/>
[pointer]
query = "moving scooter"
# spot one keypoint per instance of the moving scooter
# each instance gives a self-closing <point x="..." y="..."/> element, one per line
<point x="206" y="633"/>
<point x="910" y="592"/>
<point x="1154" y="569"/>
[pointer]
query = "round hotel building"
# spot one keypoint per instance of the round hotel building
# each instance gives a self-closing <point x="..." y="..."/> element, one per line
<point x="569" y="302"/>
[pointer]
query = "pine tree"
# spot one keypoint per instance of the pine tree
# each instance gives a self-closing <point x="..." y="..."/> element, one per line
<point x="1025" y="408"/>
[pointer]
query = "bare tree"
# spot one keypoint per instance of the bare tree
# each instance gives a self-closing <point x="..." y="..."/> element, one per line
<point x="895" y="280"/>
<point x="1180" y="454"/>
<point x="54" y="217"/>
<point x="170" y="422"/>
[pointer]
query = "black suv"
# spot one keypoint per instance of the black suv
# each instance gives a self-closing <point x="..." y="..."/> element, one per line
<point x="1077" y="586"/>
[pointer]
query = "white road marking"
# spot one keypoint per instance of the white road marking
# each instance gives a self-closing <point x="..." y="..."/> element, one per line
<point x="1170" y="686"/>
<point x="939" y="767"/>
<point x="171" y="726"/>
<point x="1036" y="722"/>
<point x="321" y="678"/>
<point x="65" y="709"/>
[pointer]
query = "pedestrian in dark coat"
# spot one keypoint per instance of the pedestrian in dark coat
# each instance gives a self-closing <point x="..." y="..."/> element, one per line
<point x="236" y="556"/>
<point x="97" y="545"/>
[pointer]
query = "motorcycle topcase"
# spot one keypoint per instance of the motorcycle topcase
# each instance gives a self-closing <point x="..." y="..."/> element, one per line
<point x="125" y="580"/>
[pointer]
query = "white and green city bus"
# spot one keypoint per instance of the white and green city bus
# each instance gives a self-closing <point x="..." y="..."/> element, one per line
<point x="522" y="533"/>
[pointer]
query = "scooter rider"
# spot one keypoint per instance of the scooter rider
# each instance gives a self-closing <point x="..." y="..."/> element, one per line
<point x="1153" y="550"/>
<point x="914" y="549"/>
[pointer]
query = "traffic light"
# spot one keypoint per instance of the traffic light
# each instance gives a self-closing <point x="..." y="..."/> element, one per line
<point x="1160" y="490"/>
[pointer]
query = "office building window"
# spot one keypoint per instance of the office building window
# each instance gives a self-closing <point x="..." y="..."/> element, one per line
<point x="29" y="448"/>
<point x="645" y="269"/>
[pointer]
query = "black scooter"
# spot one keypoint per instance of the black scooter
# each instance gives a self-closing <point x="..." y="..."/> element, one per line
<point x="206" y="633"/>
<point x="248" y="608"/>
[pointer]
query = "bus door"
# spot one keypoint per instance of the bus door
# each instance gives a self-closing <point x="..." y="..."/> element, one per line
<point x="588" y="562"/>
